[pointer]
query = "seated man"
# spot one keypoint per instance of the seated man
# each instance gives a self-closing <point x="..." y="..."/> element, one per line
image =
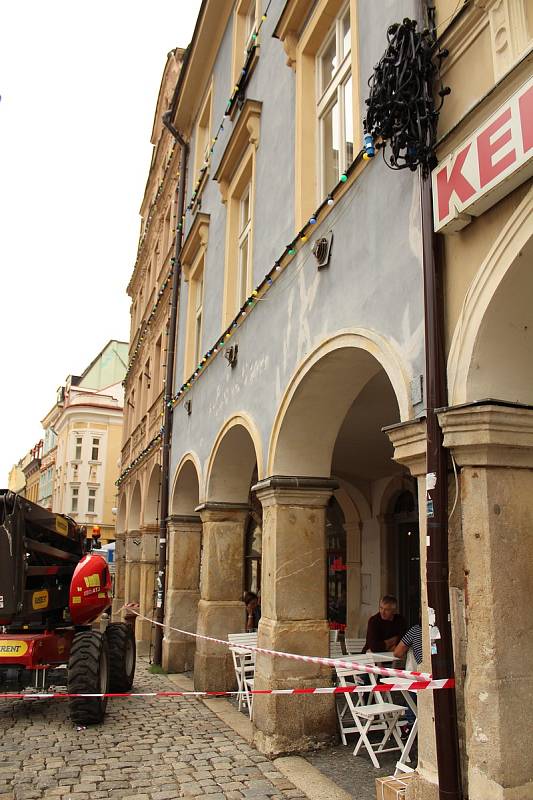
<point x="386" y="628"/>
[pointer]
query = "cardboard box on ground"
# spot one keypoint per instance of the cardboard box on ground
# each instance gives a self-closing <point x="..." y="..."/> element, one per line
<point x="393" y="788"/>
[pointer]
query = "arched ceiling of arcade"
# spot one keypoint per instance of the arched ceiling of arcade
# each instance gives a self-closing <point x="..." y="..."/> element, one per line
<point x="332" y="422"/>
<point x="362" y="451"/>
<point x="502" y="365"/>
<point x="151" y="508"/>
<point x="134" y="515"/>
<point x="186" y="493"/>
<point x="232" y="463"/>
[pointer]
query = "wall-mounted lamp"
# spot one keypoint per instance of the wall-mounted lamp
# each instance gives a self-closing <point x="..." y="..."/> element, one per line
<point x="322" y="250"/>
<point x="231" y="353"/>
<point x="188" y="407"/>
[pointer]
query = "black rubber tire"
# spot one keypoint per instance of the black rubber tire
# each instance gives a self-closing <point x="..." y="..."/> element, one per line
<point x="121" y="645"/>
<point x="88" y="673"/>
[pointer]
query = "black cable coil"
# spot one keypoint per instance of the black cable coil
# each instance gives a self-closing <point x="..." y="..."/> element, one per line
<point x="402" y="111"/>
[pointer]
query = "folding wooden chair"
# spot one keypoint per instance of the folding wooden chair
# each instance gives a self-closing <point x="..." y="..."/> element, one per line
<point x="244" y="666"/>
<point x="368" y="717"/>
<point x="354" y="646"/>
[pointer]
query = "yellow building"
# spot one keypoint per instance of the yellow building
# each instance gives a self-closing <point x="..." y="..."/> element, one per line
<point x="32" y="472"/>
<point x="149" y="288"/>
<point x="16" y="480"/>
<point x="89" y="432"/>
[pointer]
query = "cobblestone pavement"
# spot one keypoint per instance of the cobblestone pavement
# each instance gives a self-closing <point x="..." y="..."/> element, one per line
<point x="147" y="749"/>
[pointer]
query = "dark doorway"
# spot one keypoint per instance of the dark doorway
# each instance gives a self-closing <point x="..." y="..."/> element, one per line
<point x="407" y="536"/>
<point x="336" y="565"/>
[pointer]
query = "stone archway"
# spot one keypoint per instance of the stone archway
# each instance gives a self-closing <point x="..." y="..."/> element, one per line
<point x="329" y="423"/>
<point x="183" y="567"/>
<point x="152" y="497"/>
<point x="119" y="587"/>
<point x="493" y="335"/>
<point x="121" y="521"/>
<point x="331" y="378"/>
<point x="235" y="457"/>
<point x="133" y="547"/>
<point x="149" y="558"/>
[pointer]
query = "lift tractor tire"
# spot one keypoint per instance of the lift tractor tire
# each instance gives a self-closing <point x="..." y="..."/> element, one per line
<point x="88" y="673"/>
<point x="121" y="646"/>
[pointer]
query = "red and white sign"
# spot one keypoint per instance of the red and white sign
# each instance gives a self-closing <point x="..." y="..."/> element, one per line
<point x="492" y="162"/>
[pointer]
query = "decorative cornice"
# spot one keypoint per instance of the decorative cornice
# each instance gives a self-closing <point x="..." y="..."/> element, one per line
<point x="409" y="440"/>
<point x="489" y="433"/>
<point x="295" y="490"/>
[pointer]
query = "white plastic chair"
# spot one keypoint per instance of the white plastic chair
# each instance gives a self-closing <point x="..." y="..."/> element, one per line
<point x="368" y="717"/>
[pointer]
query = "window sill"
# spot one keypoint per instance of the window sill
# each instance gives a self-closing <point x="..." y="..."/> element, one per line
<point x="95" y="463"/>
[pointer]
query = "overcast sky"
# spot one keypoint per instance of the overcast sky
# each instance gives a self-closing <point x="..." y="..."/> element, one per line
<point x="79" y="83"/>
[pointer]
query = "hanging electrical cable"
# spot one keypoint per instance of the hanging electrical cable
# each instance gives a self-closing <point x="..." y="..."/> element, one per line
<point x="402" y="111"/>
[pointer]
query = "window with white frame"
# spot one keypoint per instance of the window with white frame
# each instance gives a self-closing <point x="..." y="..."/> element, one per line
<point x="245" y="228"/>
<point x="249" y="26"/>
<point x="198" y="286"/>
<point x="77" y="448"/>
<point x="91" y="503"/>
<point x="335" y="102"/>
<point x="95" y="450"/>
<point x="247" y="15"/>
<point x="74" y="499"/>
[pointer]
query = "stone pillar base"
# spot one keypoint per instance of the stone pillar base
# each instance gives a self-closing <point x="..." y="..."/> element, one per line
<point x="421" y="789"/>
<point x="181" y="612"/>
<point x="213" y="664"/>
<point x="290" y="724"/>
<point x="116" y="613"/>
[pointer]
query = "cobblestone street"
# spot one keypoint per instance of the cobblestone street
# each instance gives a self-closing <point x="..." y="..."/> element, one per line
<point x="147" y="749"/>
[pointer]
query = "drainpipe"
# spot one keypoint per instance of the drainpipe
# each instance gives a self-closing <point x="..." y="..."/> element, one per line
<point x="437" y="565"/>
<point x="169" y="383"/>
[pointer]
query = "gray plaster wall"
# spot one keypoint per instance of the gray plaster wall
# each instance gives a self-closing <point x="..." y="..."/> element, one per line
<point x="374" y="279"/>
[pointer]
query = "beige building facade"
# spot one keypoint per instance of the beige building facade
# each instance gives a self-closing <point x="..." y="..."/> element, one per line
<point x="299" y="436"/>
<point x="150" y="290"/>
<point x="32" y="471"/>
<point x="483" y="218"/>
<point x="282" y="480"/>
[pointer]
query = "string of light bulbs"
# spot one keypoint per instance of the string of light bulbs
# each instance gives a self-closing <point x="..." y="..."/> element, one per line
<point x="262" y="288"/>
<point x="237" y="90"/>
<point x="149" y="321"/>
<point x="142" y="455"/>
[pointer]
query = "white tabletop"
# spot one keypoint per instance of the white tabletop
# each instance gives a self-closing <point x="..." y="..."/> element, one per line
<point x="370" y="658"/>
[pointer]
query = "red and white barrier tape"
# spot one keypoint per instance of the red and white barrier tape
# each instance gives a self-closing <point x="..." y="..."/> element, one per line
<point x="372" y="669"/>
<point x="414" y="686"/>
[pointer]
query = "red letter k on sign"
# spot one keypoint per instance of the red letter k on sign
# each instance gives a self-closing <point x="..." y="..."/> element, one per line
<point x="454" y="182"/>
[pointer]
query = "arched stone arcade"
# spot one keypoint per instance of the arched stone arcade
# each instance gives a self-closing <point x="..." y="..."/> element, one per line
<point x="184" y="543"/>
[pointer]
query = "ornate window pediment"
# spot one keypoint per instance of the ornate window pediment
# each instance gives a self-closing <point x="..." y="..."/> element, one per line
<point x="195" y="243"/>
<point x="245" y="133"/>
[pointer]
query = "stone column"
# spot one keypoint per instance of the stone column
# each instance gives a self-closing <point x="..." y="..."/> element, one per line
<point x="294" y="614"/>
<point x="409" y="441"/>
<point x="148" y="567"/>
<point x="353" y="578"/>
<point x="493" y="445"/>
<point x="221" y="608"/>
<point x="183" y="591"/>
<point x="119" y="594"/>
